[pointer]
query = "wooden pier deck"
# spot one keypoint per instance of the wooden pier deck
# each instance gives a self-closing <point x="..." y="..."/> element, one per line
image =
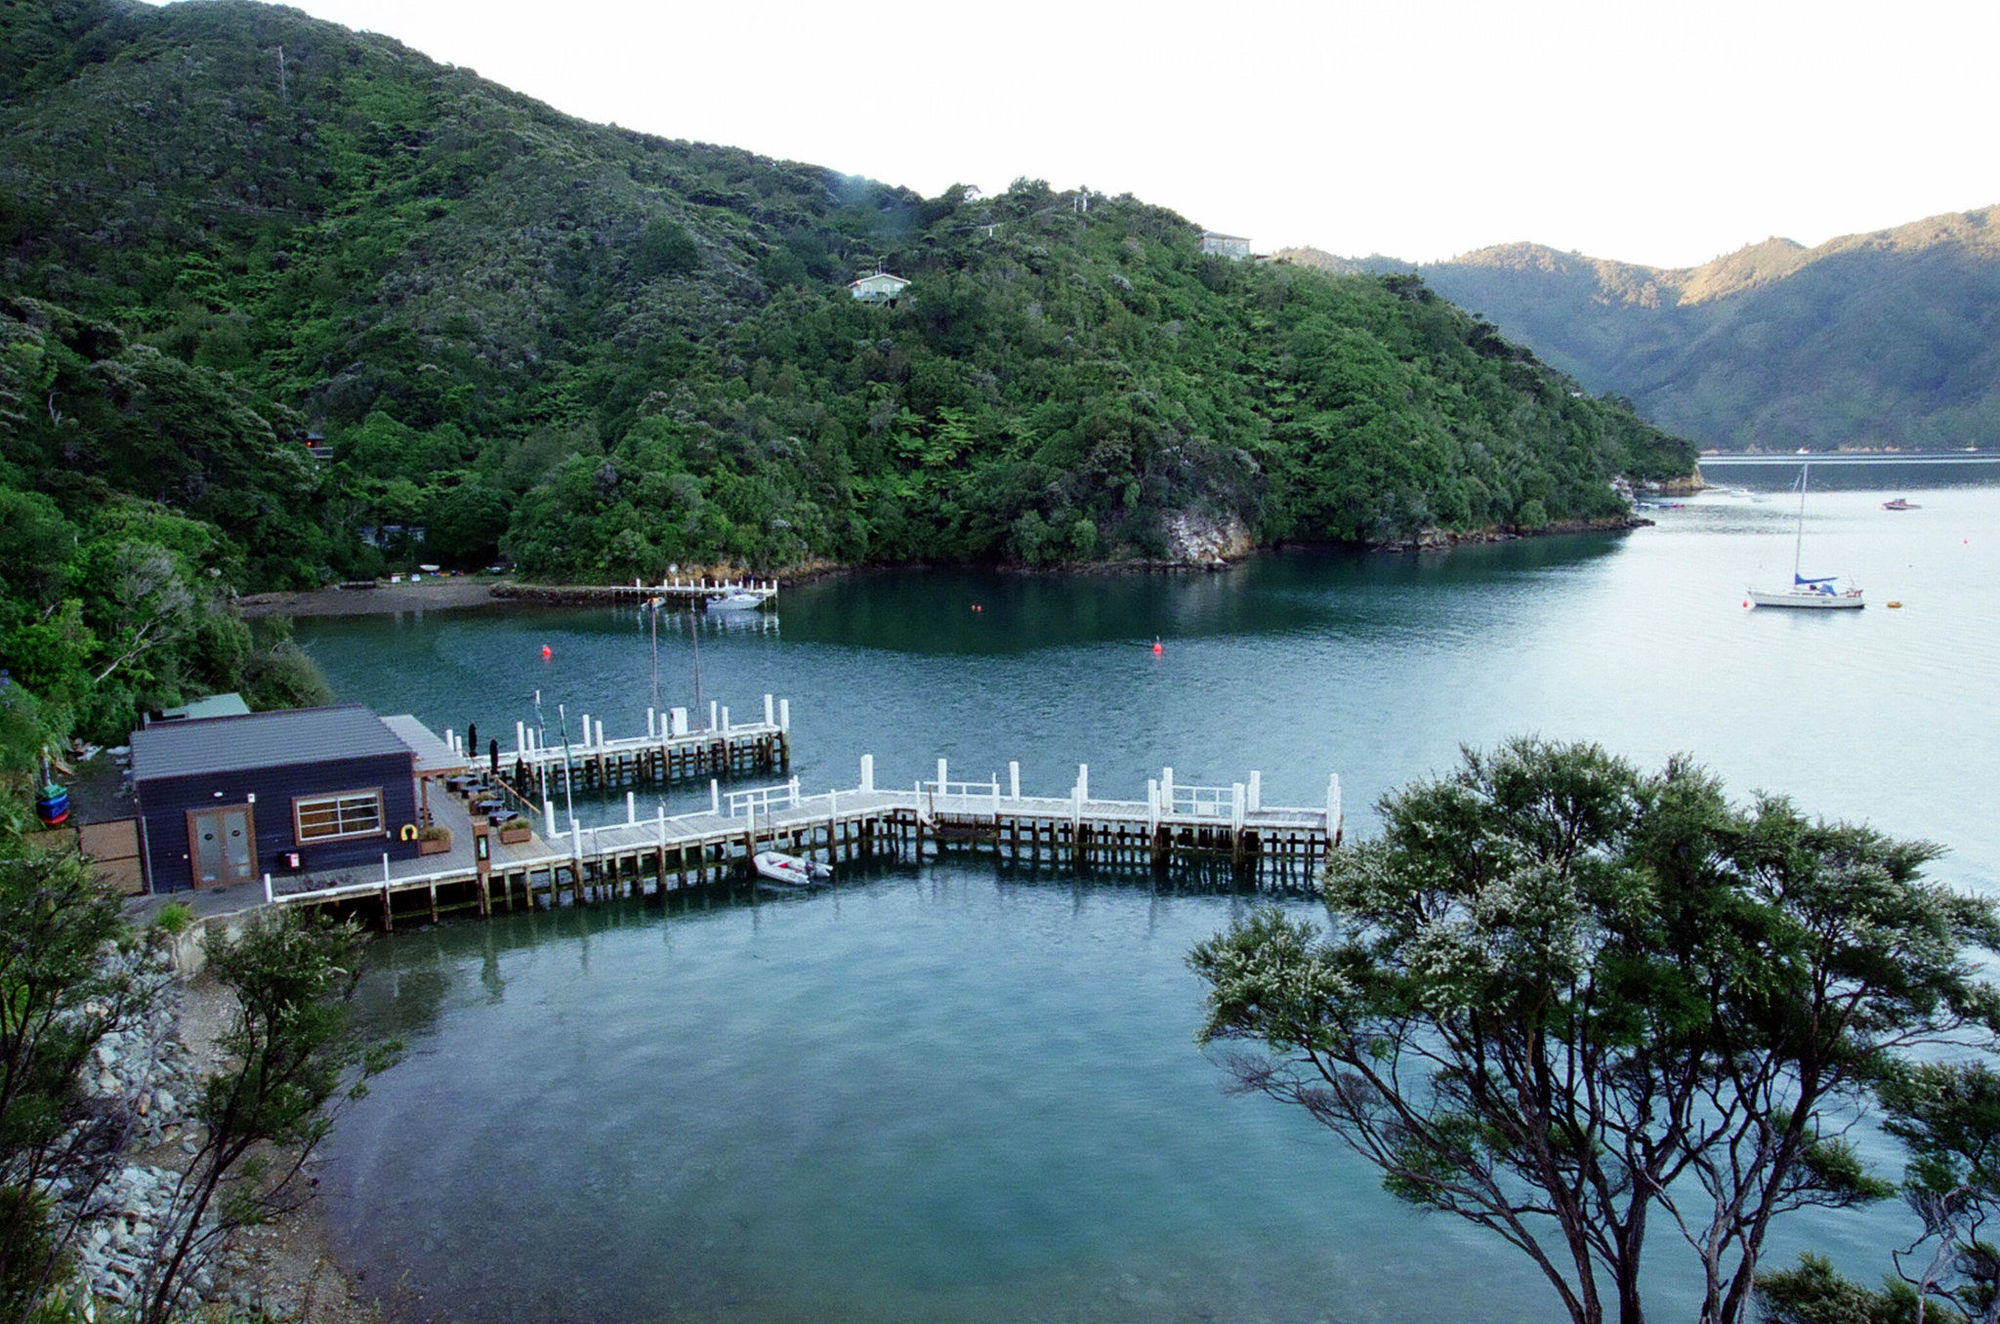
<point x="673" y="749"/>
<point x="1175" y="827"/>
<point x="694" y="591"/>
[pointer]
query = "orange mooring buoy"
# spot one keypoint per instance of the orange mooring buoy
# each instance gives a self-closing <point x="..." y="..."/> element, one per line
<point x="1158" y="647"/>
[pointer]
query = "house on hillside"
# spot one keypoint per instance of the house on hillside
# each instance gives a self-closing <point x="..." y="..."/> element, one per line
<point x="224" y="800"/>
<point x="1225" y="245"/>
<point x="877" y="287"/>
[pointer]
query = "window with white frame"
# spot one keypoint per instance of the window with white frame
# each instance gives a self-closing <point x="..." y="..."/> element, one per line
<point x="348" y="814"/>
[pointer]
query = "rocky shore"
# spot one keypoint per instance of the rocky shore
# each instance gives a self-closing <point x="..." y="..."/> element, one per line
<point x="151" y="1071"/>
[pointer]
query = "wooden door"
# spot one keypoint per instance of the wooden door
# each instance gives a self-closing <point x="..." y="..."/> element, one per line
<point x="221" y="846"/>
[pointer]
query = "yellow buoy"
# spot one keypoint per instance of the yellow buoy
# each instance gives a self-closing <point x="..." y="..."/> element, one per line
<point x="1895" y="604"/>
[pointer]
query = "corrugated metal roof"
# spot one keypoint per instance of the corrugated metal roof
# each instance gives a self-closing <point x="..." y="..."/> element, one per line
<point x="433" y="755"/>
<point x="262" y="740"/>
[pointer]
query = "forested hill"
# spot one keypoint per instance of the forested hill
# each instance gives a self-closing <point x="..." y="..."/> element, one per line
<point x="1882" y="339"/>
<point x="605" y="353"/>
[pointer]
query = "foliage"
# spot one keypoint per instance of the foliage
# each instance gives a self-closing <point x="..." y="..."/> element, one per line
<point x="1561" y="998"/>
<point x="291" y="1051"/>
<point x="1948" y="1116"/>
<point x="1868" y="340"/>
<point x="57" y="1000"/>
<point x="605" y="354"/>
<point x="174" y="918"/>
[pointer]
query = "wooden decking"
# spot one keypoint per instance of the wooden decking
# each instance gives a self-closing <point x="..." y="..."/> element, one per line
<point x="1174" y="827"/>
<point x="678" y="745"/>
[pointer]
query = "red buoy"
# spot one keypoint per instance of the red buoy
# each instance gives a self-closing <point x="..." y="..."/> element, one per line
<point x="547" y="652"/>
<point x="1158" y="647"/>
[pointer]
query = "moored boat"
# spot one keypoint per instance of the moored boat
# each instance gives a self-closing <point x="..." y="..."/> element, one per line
<point x="736" y="600"/>
<point x="789" y="870"/>
<point x="1817" y="594"/>
<point x="1900" y="503"/>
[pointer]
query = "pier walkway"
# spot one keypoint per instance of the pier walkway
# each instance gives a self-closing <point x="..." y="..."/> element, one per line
<point x="672" y="749"/>
<point x="1175" y="827"/>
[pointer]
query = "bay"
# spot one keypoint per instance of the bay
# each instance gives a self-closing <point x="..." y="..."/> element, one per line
<point x="963" y="1092"/>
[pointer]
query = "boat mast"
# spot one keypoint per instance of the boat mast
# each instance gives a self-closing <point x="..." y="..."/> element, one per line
<point x="1799" y="542"/>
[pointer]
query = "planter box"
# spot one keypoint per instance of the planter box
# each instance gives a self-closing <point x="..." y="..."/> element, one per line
<point x="513" y="834"/>
<point x="434" y="845"/>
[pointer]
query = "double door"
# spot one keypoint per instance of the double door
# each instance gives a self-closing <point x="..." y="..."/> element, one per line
<point x="221" y="845"/>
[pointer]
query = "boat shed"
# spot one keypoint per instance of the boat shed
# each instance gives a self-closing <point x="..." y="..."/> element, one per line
<point x="225" y="800"/>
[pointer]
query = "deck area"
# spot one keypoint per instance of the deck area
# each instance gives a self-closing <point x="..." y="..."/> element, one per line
<point x="1175" y="827"/>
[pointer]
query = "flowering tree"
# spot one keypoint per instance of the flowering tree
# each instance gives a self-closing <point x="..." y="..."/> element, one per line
<point x="1571" y="1002"/>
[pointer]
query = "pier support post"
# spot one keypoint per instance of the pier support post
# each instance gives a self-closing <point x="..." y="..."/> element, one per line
<point x="769" y="716"/>
<point x="867" y="772"/>
<point x="1256" y="791"/>
<point x="631" y="808"/>
<point x="677" y="721"/>
<point x="714" y="796"/>
<point x="549" y="814"/>
<point x="941" y="776"/>
<point x="785" y="715"/>
<point x="1082" y="782"/>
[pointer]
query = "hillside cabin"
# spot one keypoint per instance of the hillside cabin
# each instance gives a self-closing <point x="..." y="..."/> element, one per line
<point x="224" y="800"/>
<point x="878" y="287"/>
<point x="1225" y="245"/>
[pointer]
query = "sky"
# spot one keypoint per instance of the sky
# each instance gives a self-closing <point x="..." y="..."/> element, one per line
<point x="1663" y="134"/>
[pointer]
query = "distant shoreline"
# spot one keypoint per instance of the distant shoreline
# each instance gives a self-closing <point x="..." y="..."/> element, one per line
<point x="1851" y="457"/>
<point x="424" y="595"/>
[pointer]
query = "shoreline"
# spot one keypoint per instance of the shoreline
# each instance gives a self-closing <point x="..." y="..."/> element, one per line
<point x="462" y="593"/>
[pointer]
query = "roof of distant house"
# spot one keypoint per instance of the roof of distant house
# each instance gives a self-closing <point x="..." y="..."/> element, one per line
<point x="215" y="705"/>
<point x="202" y="745"/>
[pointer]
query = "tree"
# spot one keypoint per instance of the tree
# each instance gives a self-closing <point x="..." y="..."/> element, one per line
<point x="1948" y="1115"/>
<point x="58" y="998"/>
<point x="291" y="1049"/>
<point x="1559" y="997"/>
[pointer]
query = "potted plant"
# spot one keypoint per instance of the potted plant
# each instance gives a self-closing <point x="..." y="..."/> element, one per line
<point x="434" y="840"/>
<point x="514" y="831"/>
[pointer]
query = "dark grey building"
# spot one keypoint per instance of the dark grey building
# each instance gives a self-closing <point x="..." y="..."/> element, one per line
<point x="229" y="799"/>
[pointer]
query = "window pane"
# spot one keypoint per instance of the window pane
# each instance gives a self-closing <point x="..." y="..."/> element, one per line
<point x="349" y="815"/>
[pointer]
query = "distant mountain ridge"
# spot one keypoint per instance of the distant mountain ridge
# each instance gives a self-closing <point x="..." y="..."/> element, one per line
<point x="1889" y="338"/>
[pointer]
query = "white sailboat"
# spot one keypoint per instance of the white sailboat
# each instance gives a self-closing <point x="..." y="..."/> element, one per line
<point x="1822" y="594"/>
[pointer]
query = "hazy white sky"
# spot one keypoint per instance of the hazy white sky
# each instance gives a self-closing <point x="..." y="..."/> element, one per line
<point x="1662" y="133"/>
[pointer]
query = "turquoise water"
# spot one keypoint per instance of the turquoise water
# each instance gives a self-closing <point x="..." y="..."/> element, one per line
<point x="968" y="1093"/>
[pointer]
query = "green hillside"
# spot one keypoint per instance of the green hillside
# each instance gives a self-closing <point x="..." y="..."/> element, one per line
<point x="228" y="227"/>
<point x="1884" y="339"/>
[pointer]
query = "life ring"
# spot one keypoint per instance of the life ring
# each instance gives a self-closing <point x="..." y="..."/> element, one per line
<point x="409" y="832"/>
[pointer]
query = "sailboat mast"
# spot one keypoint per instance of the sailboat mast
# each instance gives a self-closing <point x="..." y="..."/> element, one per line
<point x="1799" y="542"/>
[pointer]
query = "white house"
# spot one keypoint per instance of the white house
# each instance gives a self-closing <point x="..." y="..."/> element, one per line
<point x="880" y="287"/>
<point x="1225" y="245"/>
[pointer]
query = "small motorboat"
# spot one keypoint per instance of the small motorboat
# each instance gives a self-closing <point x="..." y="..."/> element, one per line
<point x="736" y="600"/>
<point x="1900" y="503"/>
<point x="789" y="870"/>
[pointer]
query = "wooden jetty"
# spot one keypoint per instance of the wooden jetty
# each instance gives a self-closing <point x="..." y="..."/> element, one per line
<point x="673" y="749"/>
<point x="694" y="591"/>
<point x="1175" y="827"/>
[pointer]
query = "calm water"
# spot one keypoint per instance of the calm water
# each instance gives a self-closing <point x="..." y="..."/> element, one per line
<point x="959" y="1092"/>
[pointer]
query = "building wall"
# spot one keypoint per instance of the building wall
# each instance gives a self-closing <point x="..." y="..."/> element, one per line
<point x="165" y="802"/>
